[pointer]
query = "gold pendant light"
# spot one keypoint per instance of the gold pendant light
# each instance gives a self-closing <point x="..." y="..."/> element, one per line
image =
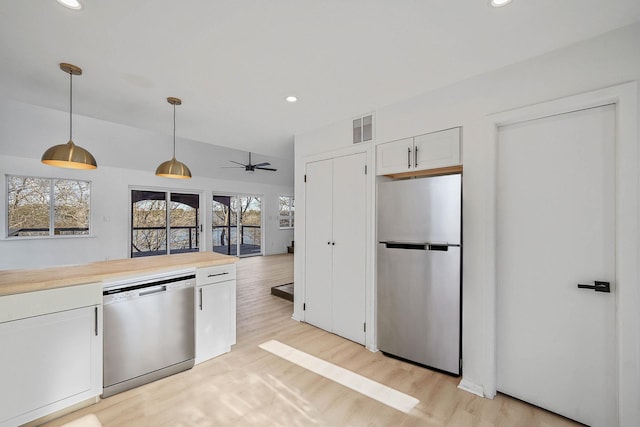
<point x="69" y="155"/>
<point x="173" y="168"/>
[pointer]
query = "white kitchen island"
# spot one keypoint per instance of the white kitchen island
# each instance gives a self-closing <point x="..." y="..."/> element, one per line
<point x="51" y="328"/>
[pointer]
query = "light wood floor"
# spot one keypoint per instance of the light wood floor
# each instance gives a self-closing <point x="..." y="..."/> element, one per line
<point x="251" y="387"/>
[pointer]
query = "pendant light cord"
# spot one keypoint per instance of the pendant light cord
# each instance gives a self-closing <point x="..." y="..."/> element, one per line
<point x="174" y="130"/>
<point x="70" y="106"/>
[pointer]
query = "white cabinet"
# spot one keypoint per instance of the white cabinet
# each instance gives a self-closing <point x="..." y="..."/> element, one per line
<point x="215" y="311"/>
<point x="335" y="248"/>
<point x="429" y="151"/>
<point x="49" y="360"/>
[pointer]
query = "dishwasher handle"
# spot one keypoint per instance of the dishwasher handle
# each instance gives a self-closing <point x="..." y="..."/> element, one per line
<point x="149" y="291"/>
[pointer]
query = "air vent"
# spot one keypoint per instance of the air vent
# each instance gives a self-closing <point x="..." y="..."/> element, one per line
<point x="363" y="129"/>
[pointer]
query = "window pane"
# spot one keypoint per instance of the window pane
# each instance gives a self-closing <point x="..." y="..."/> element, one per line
<point x="284" y="205"/>
<point x="149" y="220"/>
<point x="250" y="220"/>
<point x="28" y="204"/>
<point x="221" y="231"/>
<point x="183" y="217"/>
<point x="286" y="211"/>
<point x="71" y="207"/>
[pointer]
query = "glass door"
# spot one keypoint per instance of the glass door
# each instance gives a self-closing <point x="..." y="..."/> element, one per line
<point x="237" y="225"/>
<point x="163" y="222"/>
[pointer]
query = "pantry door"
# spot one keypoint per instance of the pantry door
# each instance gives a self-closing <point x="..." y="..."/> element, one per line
<point x="556" y="219"/>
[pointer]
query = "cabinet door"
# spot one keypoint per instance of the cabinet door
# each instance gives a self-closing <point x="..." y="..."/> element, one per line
<point x="394" y="157"/>
<point x="215" y="319"/>
<point x="49" y="362"/>
<point x="349" y="251"/>
<point x="437" y="149"/>
<point x="319" y="239"/>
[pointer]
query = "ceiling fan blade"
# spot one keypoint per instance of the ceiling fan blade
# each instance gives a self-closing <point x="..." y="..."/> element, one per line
<point x="237" y="163"/>
<point x="266" y="169"/>
<point x="231" y="167"/>
<point x="263" y="164"/>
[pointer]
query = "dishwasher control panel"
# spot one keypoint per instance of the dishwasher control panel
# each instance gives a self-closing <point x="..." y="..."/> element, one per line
<point x="142" y="287"/>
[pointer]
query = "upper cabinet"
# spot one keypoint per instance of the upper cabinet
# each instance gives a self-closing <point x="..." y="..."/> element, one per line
<point x="429" y="151"/>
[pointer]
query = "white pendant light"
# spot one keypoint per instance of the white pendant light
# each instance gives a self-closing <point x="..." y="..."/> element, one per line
<point x="173" y="168"/>
<point x="69" y="155"/>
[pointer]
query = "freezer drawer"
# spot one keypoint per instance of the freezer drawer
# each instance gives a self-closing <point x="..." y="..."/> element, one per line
<point x="419" y="304"/>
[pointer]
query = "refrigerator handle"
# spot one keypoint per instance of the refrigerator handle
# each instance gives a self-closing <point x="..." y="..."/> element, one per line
<point x="443" y="247"/>
<point x="396" y="245"/>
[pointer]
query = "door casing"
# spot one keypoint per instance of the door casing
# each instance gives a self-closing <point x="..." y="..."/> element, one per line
<point x="625" y="97"/>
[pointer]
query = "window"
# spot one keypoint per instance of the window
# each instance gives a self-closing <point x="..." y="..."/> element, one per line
<point x="163" y="222"/>
<point x="287" y="209"/>
<point x="47" y="207"/>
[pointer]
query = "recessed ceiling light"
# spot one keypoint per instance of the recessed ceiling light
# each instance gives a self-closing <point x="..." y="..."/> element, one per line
<point x="71" y="4"/>
<point x="496" y="3"/>
<point x="291" y="98"/>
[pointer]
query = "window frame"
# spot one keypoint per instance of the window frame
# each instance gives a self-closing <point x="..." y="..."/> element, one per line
<point x="290" y="209"/>
<point x="51" y="208"/>
<point x="201" y="217"/>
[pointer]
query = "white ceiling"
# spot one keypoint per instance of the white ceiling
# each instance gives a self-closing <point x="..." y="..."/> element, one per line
<point x="233" y="62"/>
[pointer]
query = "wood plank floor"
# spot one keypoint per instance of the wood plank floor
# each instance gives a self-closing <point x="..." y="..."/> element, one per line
<point x="251" y="387"/>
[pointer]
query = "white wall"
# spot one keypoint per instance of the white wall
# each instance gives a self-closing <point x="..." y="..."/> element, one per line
<point x="600" y="62"/>
<point x="27" y="130"/>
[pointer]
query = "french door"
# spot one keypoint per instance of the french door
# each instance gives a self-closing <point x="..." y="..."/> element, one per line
<point x="164" y="222"/>
<point x="237" y="225"/>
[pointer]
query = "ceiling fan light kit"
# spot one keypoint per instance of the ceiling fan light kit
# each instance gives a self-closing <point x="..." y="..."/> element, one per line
<point x="173" y="168"/>
<point x="69" y="155"/>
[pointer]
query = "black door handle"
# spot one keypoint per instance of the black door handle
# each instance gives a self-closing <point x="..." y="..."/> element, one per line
<point x="597" y="286"/>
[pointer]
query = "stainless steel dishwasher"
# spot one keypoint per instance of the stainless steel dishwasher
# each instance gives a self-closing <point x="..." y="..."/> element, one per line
<point x="148" y="329"/>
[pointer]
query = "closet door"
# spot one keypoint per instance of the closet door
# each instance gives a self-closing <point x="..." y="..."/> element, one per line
<point x="318" y="248"/>
<point x="349" y="250"/>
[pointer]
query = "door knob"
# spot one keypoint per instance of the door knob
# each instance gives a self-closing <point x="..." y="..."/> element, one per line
<point x="597" y="286"/>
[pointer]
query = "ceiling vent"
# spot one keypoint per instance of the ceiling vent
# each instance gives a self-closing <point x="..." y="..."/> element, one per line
<point x="363" y="129"/>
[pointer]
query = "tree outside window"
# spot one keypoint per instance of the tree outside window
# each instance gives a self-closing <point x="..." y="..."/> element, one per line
<point x="287" y="209"/>
<point x="47" y="207"/>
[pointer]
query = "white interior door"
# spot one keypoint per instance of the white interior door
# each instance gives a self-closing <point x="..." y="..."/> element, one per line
<point x="349" y="251"/>
<point x="319" y="236"/>
<point x="556" y="345"/>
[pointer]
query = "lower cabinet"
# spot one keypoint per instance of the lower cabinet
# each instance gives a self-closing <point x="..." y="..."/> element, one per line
<point x="215" y="311"/>
<point x="49" y="362"/>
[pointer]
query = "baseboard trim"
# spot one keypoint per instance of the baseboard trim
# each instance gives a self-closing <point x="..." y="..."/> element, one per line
<point x="471" y="387"/>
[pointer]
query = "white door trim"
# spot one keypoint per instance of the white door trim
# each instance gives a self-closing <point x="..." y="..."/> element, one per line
<point x="625" y="97"/>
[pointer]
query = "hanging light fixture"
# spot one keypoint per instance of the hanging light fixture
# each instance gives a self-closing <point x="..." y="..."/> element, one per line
<point x="69" y="155"/>
<point x="173" y="168"/>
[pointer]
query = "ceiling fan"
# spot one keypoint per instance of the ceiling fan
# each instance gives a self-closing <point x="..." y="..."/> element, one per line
<point x="249" y="167"/>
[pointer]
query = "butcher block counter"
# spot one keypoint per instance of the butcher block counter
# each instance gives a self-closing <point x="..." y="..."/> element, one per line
<point x="30" y="280"/>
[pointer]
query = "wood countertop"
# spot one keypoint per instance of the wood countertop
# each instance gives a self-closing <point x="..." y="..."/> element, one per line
<point x="30" y="280"/>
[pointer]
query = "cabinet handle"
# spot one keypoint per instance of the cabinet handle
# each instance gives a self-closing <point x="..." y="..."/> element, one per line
<point x="409" y="157"/>
<point x="200" y="299"/>
<point x="415" y="157"/>
<point x="95" y="314"/>
<point x="218" y="274"/>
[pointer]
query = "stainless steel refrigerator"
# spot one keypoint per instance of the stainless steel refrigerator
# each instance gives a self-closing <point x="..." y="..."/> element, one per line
<point x="419" y="270"/>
